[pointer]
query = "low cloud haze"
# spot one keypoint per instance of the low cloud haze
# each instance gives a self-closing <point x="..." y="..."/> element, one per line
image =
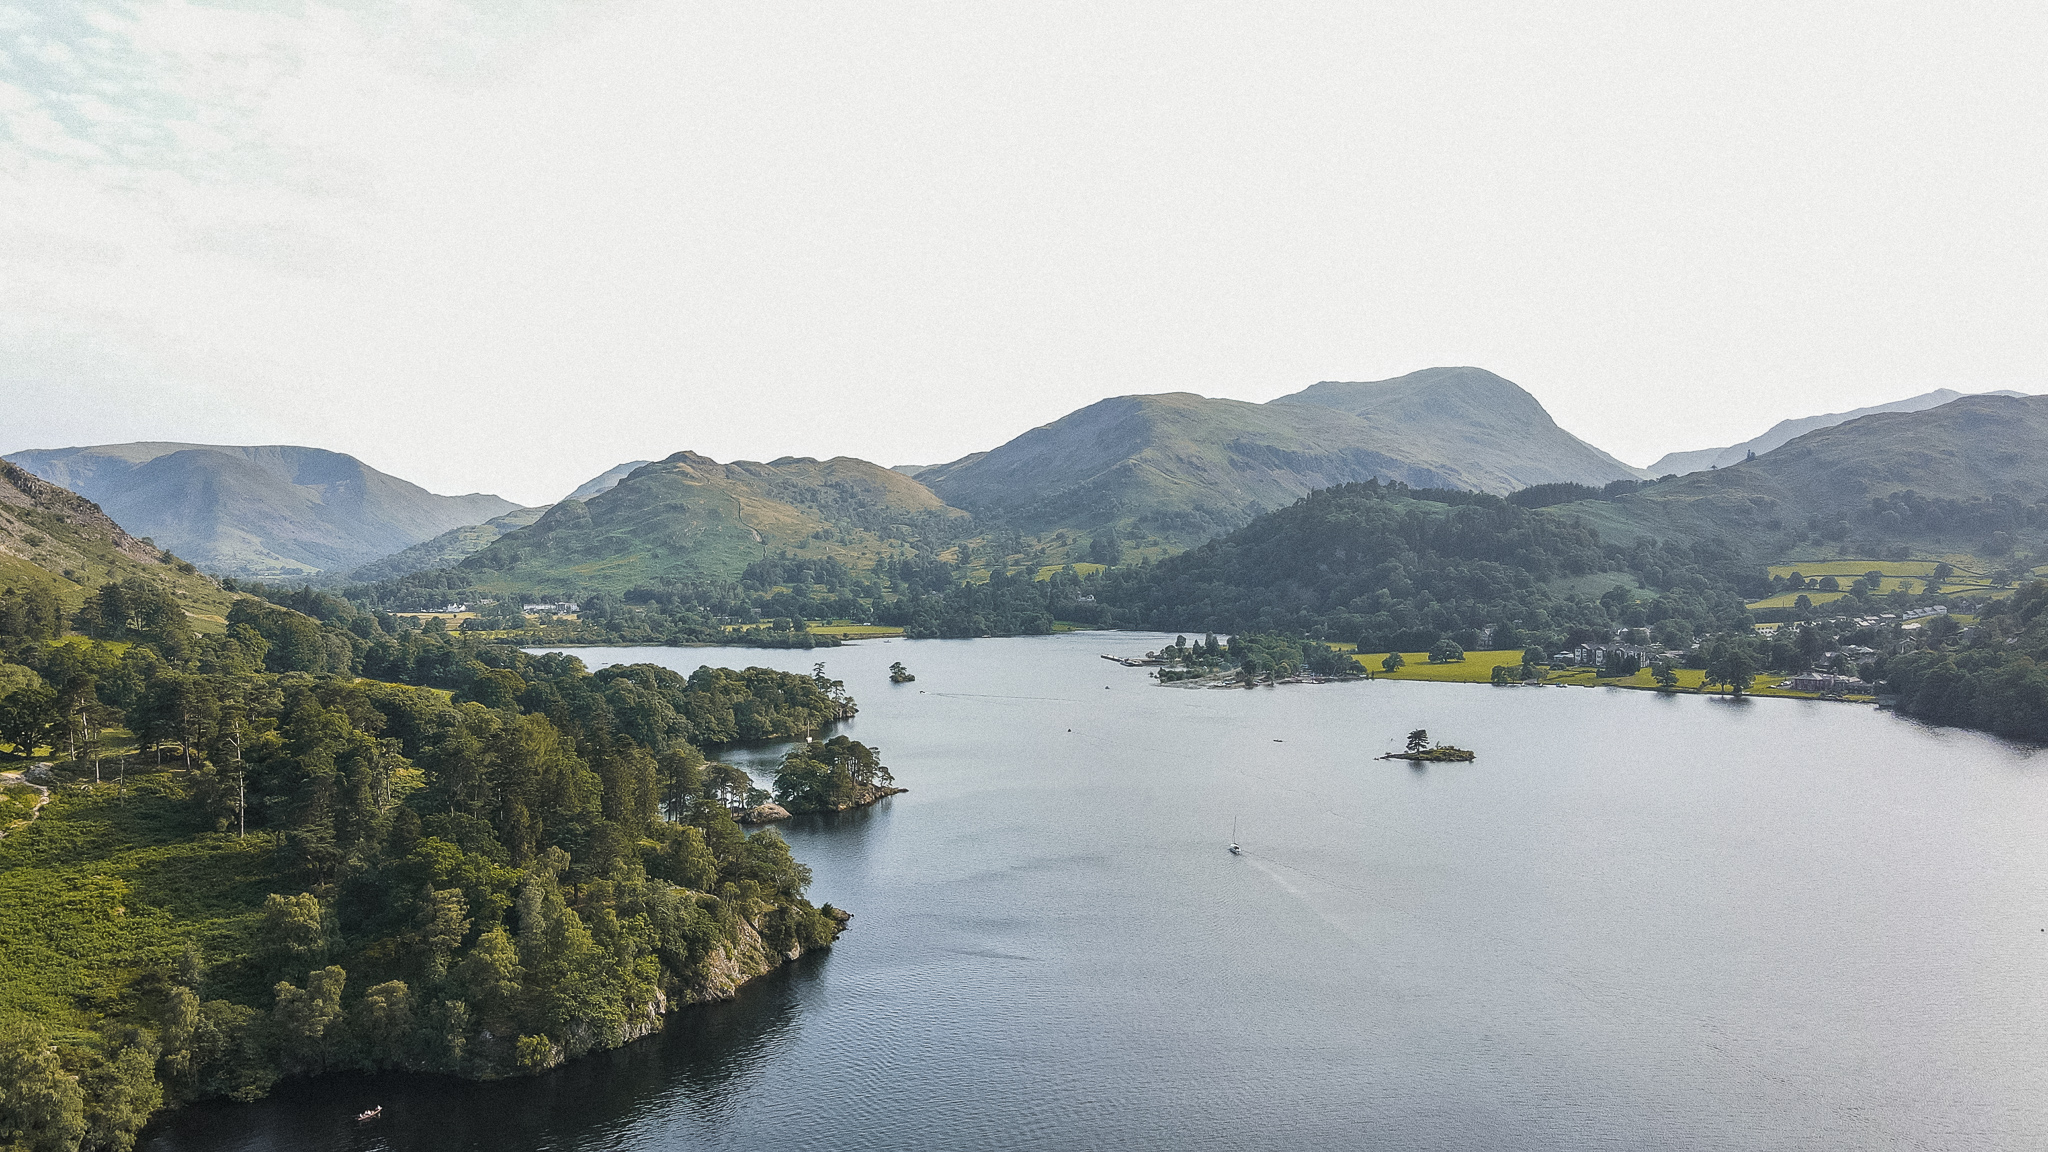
<point x="502" y="247"/>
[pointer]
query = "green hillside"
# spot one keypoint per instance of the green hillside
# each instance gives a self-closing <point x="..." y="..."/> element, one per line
<point x="447" y="549"/>
<point x="690" y="517"/>
<point x="1785" y="431"/>
<point x="273" y="511"/>
<point x="1181" y="468"/>
<point x="1390" y="568"/>
<point x="1967" y="477"/>
<point x="1484" y="431"/>
<point x="57" y="541"/>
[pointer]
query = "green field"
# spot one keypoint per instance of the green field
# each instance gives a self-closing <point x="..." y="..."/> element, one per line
<point x="852" y="631"/>
<point x="1855" y="568"/>
<point x="1788" y="599"/>
<point x="1972" y="577"/>
<point x="1477" y="668"/>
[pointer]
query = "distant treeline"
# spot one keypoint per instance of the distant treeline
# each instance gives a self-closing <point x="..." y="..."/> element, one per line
<point x="768" y="605"/>
<point x="1566" y="492"/>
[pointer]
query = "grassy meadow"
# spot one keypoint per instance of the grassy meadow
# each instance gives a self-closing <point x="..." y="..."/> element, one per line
<point x="1972" y="577"/>
<point x="1477" y="668"/>
<point x="852" y="631"/>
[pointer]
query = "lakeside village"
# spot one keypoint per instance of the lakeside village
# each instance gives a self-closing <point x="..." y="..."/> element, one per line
<point x="1832" y="671"/>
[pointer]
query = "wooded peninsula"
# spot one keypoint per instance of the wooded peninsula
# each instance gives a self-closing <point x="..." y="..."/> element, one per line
<point x="298" y="846"/>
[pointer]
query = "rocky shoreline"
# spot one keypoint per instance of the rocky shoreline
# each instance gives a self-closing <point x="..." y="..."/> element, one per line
<point x="1230" y="680"/>
<point x="771" y="812"/>
<point x="727" y="970"/>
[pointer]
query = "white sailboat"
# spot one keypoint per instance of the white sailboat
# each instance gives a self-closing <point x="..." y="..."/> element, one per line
<point x="1234" y="849"/>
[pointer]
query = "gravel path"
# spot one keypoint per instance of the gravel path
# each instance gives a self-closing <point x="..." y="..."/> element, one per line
<point x="43" y="798"/>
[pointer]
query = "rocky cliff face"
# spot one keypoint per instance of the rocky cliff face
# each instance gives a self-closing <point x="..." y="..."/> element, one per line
<point x="728" y="969"/>
<point x="744" y="958"/>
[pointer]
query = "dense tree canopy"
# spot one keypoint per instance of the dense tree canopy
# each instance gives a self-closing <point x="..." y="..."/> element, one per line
<point x="1392" y="568"/>
<point x="455" y="856"/>
<point x="1995" y="678"/>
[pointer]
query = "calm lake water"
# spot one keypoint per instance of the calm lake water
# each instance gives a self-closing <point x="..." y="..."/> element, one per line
<point x="1635" y="922"/>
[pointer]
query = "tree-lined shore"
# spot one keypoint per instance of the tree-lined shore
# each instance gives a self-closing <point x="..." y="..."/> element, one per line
<point x="300" y="845"/>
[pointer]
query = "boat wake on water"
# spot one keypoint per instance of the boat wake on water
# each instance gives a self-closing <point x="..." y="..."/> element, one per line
<point x="1267" y="867"/>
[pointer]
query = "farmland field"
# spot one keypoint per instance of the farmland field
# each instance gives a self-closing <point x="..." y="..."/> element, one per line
<point x="1477" y="668"/>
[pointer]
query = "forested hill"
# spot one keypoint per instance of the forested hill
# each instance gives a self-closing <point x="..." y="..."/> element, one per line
<point x="310" y="844"/>
<point x="265" y="511"/>
<point x="1993" y="675"/>
<point x="1181" y="468"/>
<point x="1969" y="476"/>
<point x="1395" y="568"/>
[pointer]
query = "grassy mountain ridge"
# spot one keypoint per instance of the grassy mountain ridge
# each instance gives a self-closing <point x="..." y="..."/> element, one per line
<point x="457" y="544"/>
<point x="448" y="549"/>
<point x="56" y="540"/>
<point x="265" y="511"/>
<point x="605" y="480"/>
<point x="1185" y="467"/>
<point x="1503" y="436"/>
<point x="691" y="517"/>
<point x="1785" y="431"/>
<point x="1971" y="475"/>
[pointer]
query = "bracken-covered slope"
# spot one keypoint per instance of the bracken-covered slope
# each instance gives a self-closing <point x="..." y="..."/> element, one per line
<point x="1785" y="431"/>
<point x="1184" y="467"/>
<point x="1949" y="478"/>
<point x="691" y="517"/>
<point x="53" y="538"/>
<point x="272" y="511"/>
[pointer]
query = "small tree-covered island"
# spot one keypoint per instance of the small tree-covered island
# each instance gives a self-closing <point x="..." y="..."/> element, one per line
<point x="1420" y="751"/>
<point x="296" y="846"/>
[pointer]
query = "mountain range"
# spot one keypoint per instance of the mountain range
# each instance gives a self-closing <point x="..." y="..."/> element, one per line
<point x="457" y="544"/>
<point x="1967" y="476"/>
<point x="1785" y="431"/>
<point x="1153" y="474"/>
<point x="270" y="511"/>
<point x="443" y="551"/>
<point x="1182" y="467"/>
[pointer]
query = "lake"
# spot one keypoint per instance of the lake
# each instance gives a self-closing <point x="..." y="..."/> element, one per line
<point x="1634" y="922"/>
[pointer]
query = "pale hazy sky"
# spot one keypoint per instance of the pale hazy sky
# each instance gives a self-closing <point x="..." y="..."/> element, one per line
<point x="500" y="247"/>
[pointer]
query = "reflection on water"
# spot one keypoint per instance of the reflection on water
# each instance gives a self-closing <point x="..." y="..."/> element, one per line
<point x="689" y="1076"/>
<point x="1634" y="922"/>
